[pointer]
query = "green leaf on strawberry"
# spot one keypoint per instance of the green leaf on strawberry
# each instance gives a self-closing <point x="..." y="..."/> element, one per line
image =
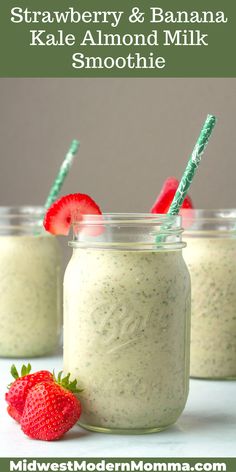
<point x="66" y="383"/>
<point x="50" y="411"/>
<point x="25" y="370"/>
<point x="14" y="372"/>
<point x="19" y="389"/>
<point x="44" y="404"/>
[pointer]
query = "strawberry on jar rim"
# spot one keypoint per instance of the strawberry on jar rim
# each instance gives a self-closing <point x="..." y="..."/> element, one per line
<point x="165" y="198"/>
<point x="166" y="195"/>
<point x="72" y="208"/>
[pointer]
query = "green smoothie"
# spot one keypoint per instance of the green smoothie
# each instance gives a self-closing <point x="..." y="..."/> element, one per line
<point x="211" y="260"/>
<point x="126" y="335"/>
<point x="30" y="304"/>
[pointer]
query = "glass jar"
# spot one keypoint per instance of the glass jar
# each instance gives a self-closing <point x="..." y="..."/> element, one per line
<point x="126" y="321"/>
<point x="30" y="284"/>
<point x="211" y="259"/>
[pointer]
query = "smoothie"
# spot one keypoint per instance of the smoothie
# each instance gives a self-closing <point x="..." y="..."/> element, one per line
<point x="126" y="335"/>
<point x="211" y="260"/>
<point x="30" y="302"/>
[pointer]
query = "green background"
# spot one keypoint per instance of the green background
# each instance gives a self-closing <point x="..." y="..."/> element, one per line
<point x="18" y="59"/>
<point x="230" y="463"/>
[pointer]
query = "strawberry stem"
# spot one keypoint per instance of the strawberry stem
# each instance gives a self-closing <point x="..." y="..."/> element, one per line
<point x="25" y="370"/>
<point x="66" y="383"/>
<point x="14" y="372"/>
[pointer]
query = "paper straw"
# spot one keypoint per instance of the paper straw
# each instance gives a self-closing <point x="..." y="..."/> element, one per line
<point x="63" y="171"/>
<point x="191" y="167"/>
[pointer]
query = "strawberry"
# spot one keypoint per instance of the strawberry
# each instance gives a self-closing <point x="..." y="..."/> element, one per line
<point x="13" y="413"/>
<point x="51" y="409"/>
<point x="20" y="388"/>
<point x="67" y="209"/>
<point x="166" y="196"/>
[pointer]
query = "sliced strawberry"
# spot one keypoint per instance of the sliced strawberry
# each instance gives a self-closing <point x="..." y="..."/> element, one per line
<point x="67" y="209"/>
<point x="164" y="199"/>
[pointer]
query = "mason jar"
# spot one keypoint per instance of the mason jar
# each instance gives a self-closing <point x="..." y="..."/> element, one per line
<point x="126" y="321"/>
<point x="211" y="259"/>
<point x="30" y="288"/>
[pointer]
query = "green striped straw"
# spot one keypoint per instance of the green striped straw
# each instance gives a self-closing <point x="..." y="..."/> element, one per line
<point x="191" y="167"/>
<point x="62" y="173"/>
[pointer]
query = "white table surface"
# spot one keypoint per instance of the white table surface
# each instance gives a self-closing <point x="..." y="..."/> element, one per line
<point x="206" y="428"/>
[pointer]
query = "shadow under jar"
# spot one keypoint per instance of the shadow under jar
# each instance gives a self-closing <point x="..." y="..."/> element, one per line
<point x="211" y="259"/>
<point x="126" y="321"/>
<point x="30" y="284"/>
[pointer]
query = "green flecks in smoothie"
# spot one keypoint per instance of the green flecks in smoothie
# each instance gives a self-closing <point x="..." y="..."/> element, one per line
<point x="140" y="344"/>
<point x="212" y="266"/>
<point x="30" y="284"/>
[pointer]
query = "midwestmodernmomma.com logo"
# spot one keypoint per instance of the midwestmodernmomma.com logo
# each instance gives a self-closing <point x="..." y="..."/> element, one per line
<point x="25" y="465"/>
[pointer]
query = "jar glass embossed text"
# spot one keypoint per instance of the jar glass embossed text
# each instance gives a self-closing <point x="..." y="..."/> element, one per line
<point x="211" y="259"/>
<point x="30" y="298"/>
<point x="126" y="321"/>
